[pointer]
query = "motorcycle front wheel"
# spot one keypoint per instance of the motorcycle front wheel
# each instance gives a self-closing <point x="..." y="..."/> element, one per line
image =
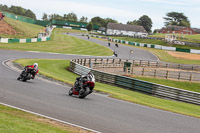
<point x="70" y="91"/>
<point x="84" y="93"/>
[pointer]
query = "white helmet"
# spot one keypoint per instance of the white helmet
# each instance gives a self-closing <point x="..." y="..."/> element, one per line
<point x="35" y="64"/>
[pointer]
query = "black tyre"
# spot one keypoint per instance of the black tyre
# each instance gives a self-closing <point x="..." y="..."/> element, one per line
<point x="70" y="91"/>
<point x="84" y="93"/>
<point x="24" y="79"/>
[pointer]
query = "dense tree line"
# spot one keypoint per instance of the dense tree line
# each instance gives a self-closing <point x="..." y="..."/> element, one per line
<point x="172" y="18"/>
<point x="66" y="17"/>
<point x="18" y="10"/>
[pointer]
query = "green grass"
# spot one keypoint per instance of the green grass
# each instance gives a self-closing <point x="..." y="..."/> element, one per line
<point x="57" y="70"/>
<point x="61" y="43"/>
<point x="16" y="121"/>
<point x="177" y="84"/>
<point x="164" y="56"/>
<point x="24" y="30"/>
<point x="188" y="38"/>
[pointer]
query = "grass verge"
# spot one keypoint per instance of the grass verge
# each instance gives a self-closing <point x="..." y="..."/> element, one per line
<point x="177" y="84"/>
<point x="16" y="121"/>
<point x="57" y="70"/>
<point x="61" y="43"/>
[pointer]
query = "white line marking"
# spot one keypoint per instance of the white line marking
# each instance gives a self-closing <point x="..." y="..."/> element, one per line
<point x="68" y="123"/>
<point x="4" y="64"/>
<point x="69" y="54"/>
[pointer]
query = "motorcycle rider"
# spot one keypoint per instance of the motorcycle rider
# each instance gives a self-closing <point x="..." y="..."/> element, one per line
<point x="34" y="72"/>
<point x="83" y="78"/>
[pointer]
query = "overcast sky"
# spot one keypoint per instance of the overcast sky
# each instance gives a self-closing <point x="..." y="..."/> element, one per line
<point x="120" y="10"/>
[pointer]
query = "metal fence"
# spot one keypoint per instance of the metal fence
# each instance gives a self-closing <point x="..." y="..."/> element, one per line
<point x="178" y="75"/>
<point x="134" y="84"/>
<point x="139" y="63"/>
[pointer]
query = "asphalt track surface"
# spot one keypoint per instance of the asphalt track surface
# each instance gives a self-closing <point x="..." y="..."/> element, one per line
<point x="96" y="111"/>
<point x="122" y="51"/>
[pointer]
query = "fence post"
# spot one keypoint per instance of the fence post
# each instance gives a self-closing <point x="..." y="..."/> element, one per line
<point x="179" y="76"/>
<point x="191" y="76"/>
<point x="154" y="73"/>
<point x="142" y="71"/>
<point x="81" y="61"/>
<point x="90" y="63"/>
<point x="167" y="74"/>
<point x="148" y="63"/>
<point x="84" y="62"/>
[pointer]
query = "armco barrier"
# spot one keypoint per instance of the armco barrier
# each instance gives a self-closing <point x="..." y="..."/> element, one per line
<point x="7" y="40"/>
<point x="28" y="40"/>
<point x="152" y="46"/>
<point x="137" y="85"/>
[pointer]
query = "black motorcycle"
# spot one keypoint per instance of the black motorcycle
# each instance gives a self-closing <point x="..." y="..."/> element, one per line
<point x="26" y="74"/>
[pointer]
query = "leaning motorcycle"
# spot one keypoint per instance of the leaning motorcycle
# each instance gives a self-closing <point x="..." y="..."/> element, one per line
<point x="88" y="86"/>
<point x="26" y="74"/>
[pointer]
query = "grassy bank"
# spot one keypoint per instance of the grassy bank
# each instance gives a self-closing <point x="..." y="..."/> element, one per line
<point x="47" y="67"/>
<point x="24" y="30"/>
<point x="61" y="43"/>
<point x="16" y="121"/>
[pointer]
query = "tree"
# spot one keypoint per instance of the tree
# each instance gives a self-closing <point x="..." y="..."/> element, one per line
<point x="98" y="21"/>
<point x="45" y="17"/>
<point x="4" y="8"/>
<point x="70" y="17"/>
<point x="109" y="20"/>
<point x="89" y="27"/>
<point x="184" y="23"/>
<point x="134" y="22"/>
<point x="175" y="18"/>
<point x="146" y="22"/>
<point x="30" y="14"/>
<point x="18" y="10"/>
<point x="55" y="16"/>
<point x="83" y="19"/>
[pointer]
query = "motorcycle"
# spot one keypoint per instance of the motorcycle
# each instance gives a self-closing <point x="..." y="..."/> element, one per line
<point x="88" y="86"/>
<point x="26" y="74"/>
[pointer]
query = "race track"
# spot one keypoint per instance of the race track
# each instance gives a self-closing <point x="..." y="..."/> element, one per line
<point x="97" y="111"/>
